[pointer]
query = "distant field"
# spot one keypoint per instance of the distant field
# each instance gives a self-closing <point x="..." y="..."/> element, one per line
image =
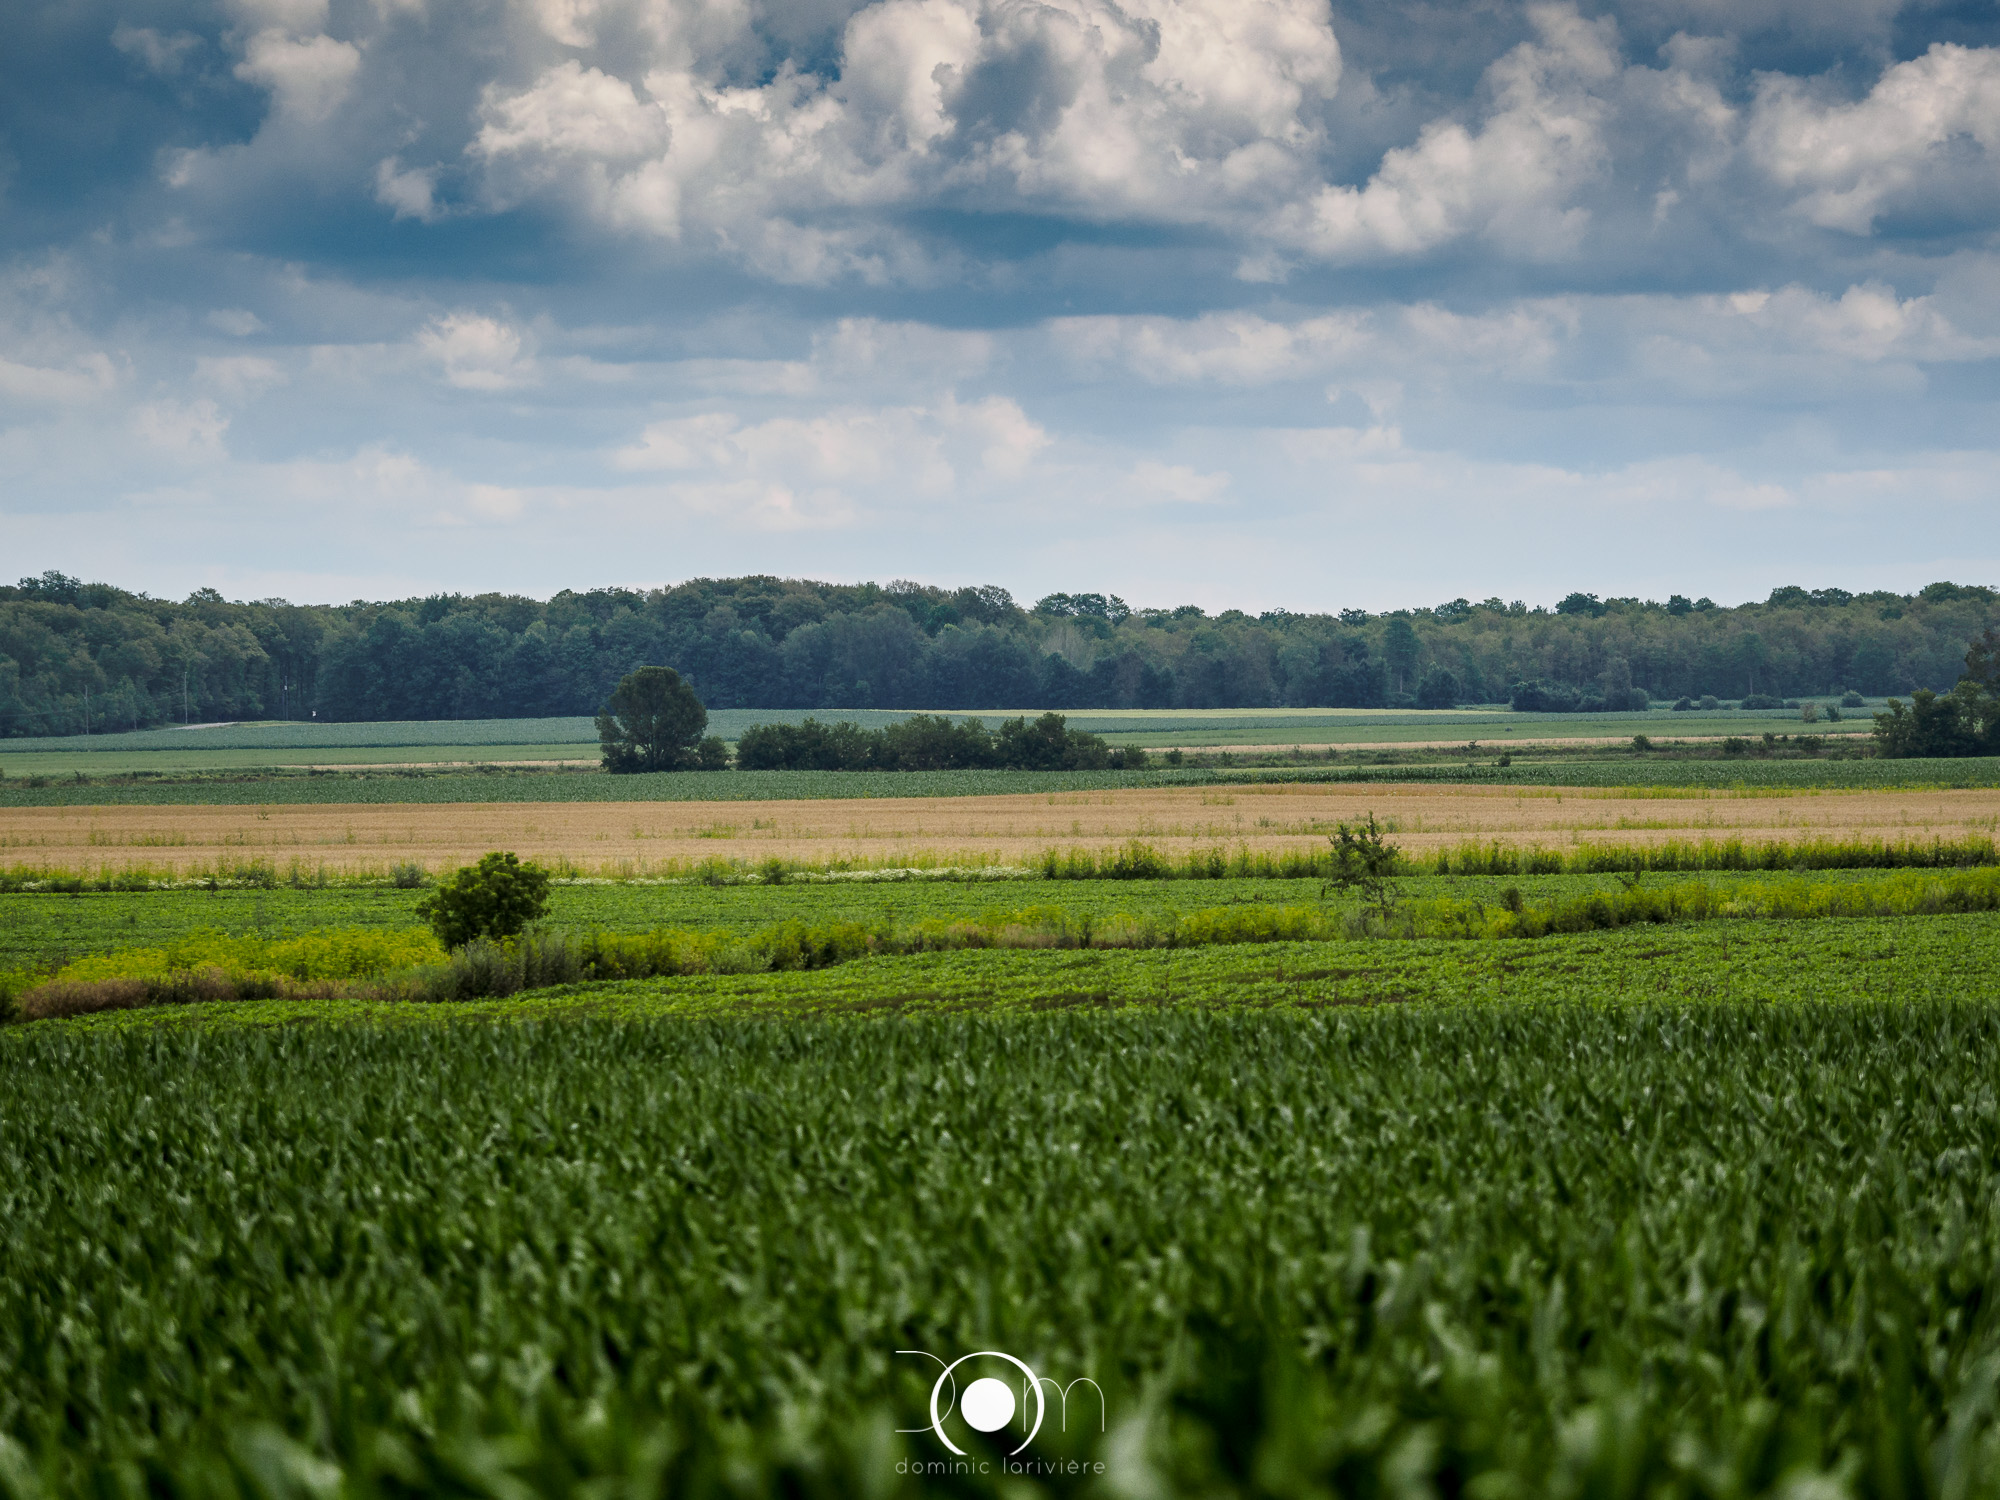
<point x="625" y="839"/>
<point x="359" y="787"/>
<point x="246" y="746"/>
<point x="174" y="762"/>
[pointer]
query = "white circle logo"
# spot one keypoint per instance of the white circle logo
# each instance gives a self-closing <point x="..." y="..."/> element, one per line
<point x="987" y="1405"/>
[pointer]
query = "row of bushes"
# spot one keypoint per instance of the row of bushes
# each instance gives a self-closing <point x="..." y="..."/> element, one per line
<point x="930" y="742"/>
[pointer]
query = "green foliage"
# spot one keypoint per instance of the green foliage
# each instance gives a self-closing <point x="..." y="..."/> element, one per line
<point x="652" y="722"/>
<point x="495" y="898"/>
<point x="1535" y="696"/>
<point x="1568" y="1248"/>
<point x="408" y="965"/>
<point x="88" y="658"/>
<point x="1965" y="721"/>
<point x="1438" y="689"/>
<point x="925" y="742"/>
<point x="206" y="965"/>
<point x="1366" y="863"/>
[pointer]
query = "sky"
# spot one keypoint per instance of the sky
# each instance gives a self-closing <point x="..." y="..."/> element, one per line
<point x="1243" y="303"/>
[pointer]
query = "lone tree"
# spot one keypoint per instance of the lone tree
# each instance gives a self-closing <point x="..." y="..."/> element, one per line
<point x="495" y="898"/>
<point x="652" y="723"/>
<point x="1364" y="860"/>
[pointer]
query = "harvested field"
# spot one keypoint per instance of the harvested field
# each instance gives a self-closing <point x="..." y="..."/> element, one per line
<point x="631" y="838"/>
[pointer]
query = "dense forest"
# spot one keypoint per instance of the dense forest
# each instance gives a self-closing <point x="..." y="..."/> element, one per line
<point x="77" y="657"/>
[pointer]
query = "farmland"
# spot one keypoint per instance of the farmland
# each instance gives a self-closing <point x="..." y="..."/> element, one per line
<point x="239" y="747"/>
<point x="637" y="839"/>
<point x="417" y="787"/>
<point x="1737" y="1228"/>
<point x="1709" y="1199"/>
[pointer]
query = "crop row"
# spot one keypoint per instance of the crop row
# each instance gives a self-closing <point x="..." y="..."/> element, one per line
<point x="1666" y="1249"/>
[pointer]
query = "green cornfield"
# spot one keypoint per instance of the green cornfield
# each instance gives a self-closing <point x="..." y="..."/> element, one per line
<point x="1742" y="1246"/>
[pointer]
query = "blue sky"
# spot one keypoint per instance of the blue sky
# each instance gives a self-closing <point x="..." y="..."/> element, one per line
<point x="1236" y="302"/>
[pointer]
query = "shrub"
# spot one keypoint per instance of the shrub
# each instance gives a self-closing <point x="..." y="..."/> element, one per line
<point x="496" y="898"/>
<point x="1735" y="745"/>
<point x="1709" y="703"/>
<point x="712" y="754"/>
<point x="1642" y="742"/>
<point x="1683" y="705"/>
<point x="1852" y="699"/>
<point x="1762" y="701"/>
<point x="409" y="876"/>
<point x="1538" y="697"/>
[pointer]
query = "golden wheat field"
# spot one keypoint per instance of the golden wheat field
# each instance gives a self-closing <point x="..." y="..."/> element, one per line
<point x="637" y="838"/>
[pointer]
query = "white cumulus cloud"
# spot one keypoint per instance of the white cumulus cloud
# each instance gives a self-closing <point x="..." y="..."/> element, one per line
<point x="1511" y="179"/>
<point x="1849" y="163"/>
<point x="478" y="353"/>
<point x="308" y="78"/>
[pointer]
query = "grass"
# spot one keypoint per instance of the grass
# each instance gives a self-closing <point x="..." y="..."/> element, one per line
<point x="1636" y="1212"/>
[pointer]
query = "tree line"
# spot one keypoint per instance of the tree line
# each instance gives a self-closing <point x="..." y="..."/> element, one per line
<point x="1965" y="721"/>
<point x="81" y="657"/>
